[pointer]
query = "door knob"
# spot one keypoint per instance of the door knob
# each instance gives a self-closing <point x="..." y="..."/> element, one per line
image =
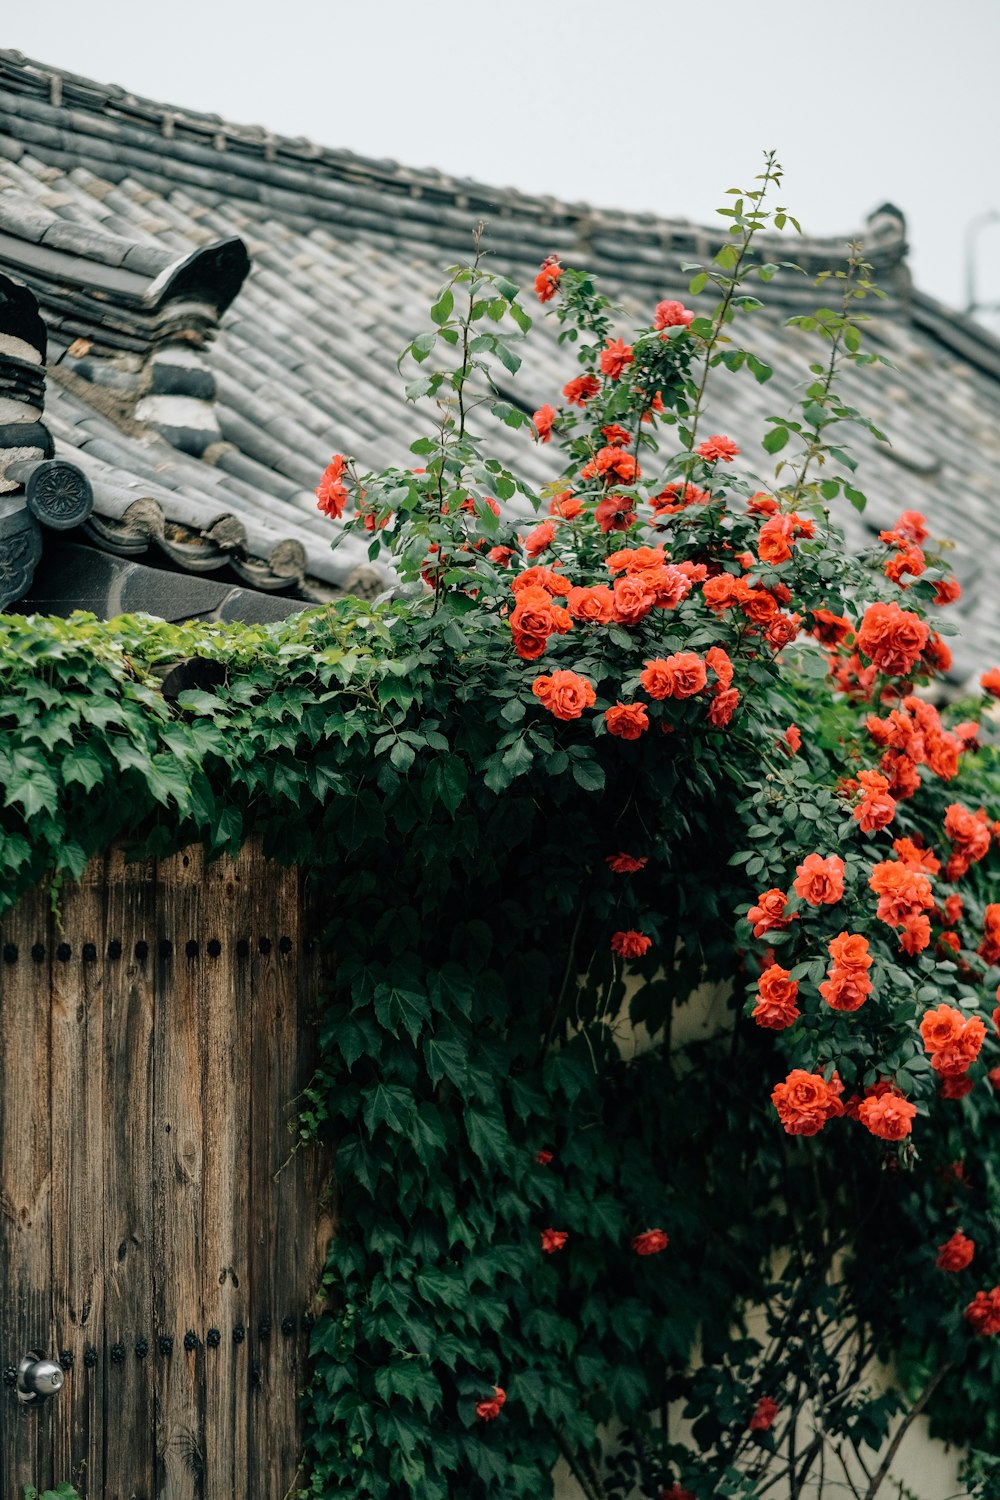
<point x="38" y="1378"/>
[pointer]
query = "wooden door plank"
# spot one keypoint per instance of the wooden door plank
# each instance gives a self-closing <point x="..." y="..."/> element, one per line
<point x="226" y="1028"/>
<point x="179" y="1123"/>
<point x="123" y="1373"/>
<point x="78" y="1089"/>
<point x="281" y="1223"/>
<point x="25" y="1185"/>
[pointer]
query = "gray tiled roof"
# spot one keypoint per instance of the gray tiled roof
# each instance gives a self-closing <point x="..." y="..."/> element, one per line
<point x="206" y="459"/>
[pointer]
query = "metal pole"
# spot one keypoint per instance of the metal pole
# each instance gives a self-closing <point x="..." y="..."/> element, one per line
<point x="972" y="231"/>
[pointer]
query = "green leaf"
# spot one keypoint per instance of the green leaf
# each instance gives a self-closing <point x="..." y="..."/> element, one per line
<point x="589" y="775"/>
<point x="442" y="309"/>
<point x="399" y="1007"/>
<point x="487" y="1134"/>
<point x="775" y="440"/>
<point x="447" y="1058"/>
<point x="389" y="1104"/>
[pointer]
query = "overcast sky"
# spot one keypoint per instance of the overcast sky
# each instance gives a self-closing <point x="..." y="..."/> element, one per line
<point x="639" y="104"/>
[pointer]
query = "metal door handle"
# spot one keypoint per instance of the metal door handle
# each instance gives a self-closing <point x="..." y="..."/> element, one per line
<point x="38" y="1378"/>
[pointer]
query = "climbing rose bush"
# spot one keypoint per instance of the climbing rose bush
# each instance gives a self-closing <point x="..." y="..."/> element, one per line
<point x="735" y="728"/>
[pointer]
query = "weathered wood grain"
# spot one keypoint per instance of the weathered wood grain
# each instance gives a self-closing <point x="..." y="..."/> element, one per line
<point x="150" y="1192"/>
<point x="178" y="1132"/>
<point x="25" y="1187"/>
<point x="78" y="1089"/>
<point x="274" y="1448"/>
<point x="130" y="1237"/>
<point x="226" y="1030"/>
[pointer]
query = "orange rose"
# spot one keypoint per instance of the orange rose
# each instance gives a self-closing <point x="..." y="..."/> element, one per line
<point x="669" y="585"/>
<point x="626" y="720"/>
<point x="564" y="694"/>
<point x="543" y="420"/>
<point x="566" y="505"/>
<point x="776" y="1005"/>
<point x="892" y="638"/>
<point x="678" y="676"/>
<point x="615" y="358"/>
<point x="723" y="591"/>
<point x="596" y="604"/>
<point x="633" y="599"/>
<point x="547" y="280"/>
<point x="634" y="559"/>
<point x="722" y="707"/>
<point x="902" y="891"/>
<point x="769" y="913"/>
<point x="720" y="664"/>
<point x="969" y="833"/>
<point x="940" y="1027"/>
<point x="846" y="989"/>
<point x="579" y="391"/>
<point x="916" y="932"/>
<point x="805" y="1102"/>
<point x="716" y="449"/>
<point x="774" y="542"/>
<point x="849" y="950"/>
<point x="990" y="681"/>
<point x="890" y="1118"/>
<point x="540" y="578"/>
<point x="820" y="881"/>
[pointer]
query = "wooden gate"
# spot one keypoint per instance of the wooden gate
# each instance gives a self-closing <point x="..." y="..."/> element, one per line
<point x="159" y="1238"/>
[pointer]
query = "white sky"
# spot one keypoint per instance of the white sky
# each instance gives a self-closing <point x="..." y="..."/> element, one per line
<point x="641" y="104"/>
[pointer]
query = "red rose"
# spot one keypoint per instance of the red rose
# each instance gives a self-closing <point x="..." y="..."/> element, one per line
<point x="487" y="1410"/>
<point x="625" y="864"/>
<point x="630" y="944"/>
<point x="956" y="1253"/>
<point x="983" y="1312"/>
<point x="650" y="1242"/>
<point x="553" y="1240"/>
<point x="764" y="1414"/>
